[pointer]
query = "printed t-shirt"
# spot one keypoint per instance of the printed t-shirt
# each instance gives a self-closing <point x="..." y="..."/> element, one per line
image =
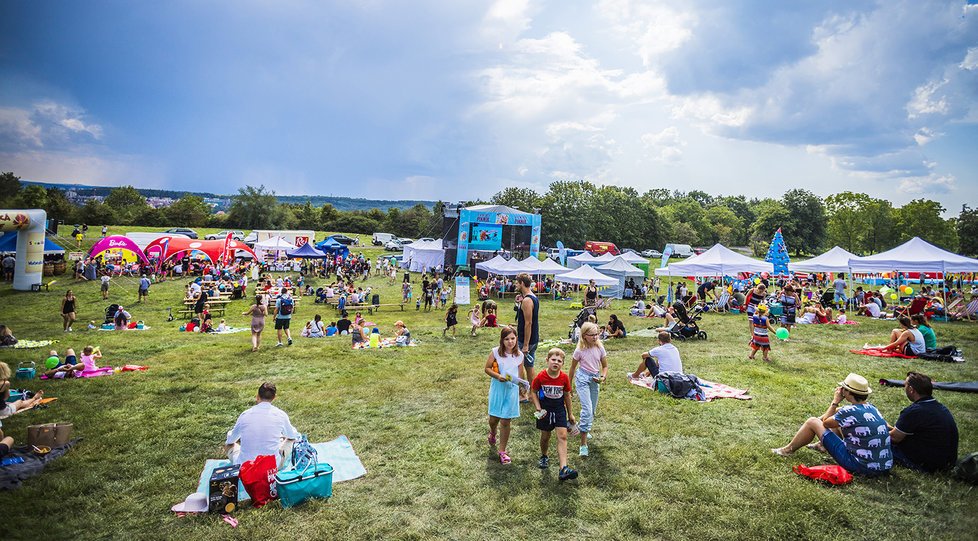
<point x="932" y="435"/>
<point x="866" y="436"/>
<point x="668" y="357"/>
<point x="590" y="358"/>
<point x="551" y="390"/>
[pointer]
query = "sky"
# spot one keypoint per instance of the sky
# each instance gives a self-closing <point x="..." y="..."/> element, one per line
<point x="458" y="100"/>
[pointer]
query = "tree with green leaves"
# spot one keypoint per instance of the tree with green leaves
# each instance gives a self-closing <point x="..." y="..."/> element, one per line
<point x="967" y="225"/>
<point x="97" y="212"/>
<point x="805" y="228"/>
<point x="254" y="208"/>
<point x="328" y="215"/>
<point x="32" y="197"/>
<point x="524" y="199"/>
<point x="727" y="226"/>
<point x="188" y="211"/>
<point x="126" y="202"/>
<point x="58" y="207"/>
<point x="9" y="187"/>
<point x="846" y="221"/>
<point x="567" y="211"/>
<point x="687" y="210"/>
<point x="743" y="209"/>
<point x="771" y="215"/>
<point x="922" y="218"/>
<point x="880" y="233"/>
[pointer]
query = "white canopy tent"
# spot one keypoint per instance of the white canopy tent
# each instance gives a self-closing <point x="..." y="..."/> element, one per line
<point x="834" y="260"/>
<point x="633" y="258"/>
<point x="583" y="275"/>
<point x="717" y="261"/>
<point x="606" y="257"/>
<point x="620" y="270"/>
<point x="273" y="244"/>
<point x="490" y="265"/>
<point x="421" y="256"/>
<point x="584" y="258"/>
<point x="915" y="255"/>
<point x="547" y="266"/>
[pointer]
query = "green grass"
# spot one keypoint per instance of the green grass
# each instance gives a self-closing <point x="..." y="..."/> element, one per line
<point x="659" y="468"/>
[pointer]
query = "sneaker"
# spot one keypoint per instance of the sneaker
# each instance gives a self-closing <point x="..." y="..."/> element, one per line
<point x="584" y="451"/>
<point x="544" y="462"/>
<point x="567" y="473"/>
<point x="290" y="341"/>
<point x="278" y="345"/>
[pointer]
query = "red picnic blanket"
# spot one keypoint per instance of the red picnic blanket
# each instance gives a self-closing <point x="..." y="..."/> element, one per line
<point x="876" y="352"/>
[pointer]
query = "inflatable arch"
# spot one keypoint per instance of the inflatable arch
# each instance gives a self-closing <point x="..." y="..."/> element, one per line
<point x="30" y="244"/>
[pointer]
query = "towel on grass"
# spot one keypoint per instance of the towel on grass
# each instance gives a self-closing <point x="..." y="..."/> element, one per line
<point x="13" y="475"/>
<point x="960" y="386"/>
<point x="711" y="390"/>
<point x="644" y="333"/>
<point x="876" y="352"/>
<point x="385" y="343"/>
<point x="337" y="453"/>
<point x="145" y="328"/>
<point x="101" y="371"/>
<point x="231" y="330"/>
<point x="30" y="344"/>
<point x="846" y="323"/>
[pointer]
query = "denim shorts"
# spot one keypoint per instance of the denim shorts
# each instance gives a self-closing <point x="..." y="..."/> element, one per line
<point x="530" y="356"/>
<point x="837" y="448"/>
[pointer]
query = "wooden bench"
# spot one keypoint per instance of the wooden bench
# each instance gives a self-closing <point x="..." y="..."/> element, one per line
<point x="188" y="314"/>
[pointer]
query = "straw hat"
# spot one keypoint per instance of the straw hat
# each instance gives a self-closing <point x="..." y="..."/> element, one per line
<point x="856" y="384"/>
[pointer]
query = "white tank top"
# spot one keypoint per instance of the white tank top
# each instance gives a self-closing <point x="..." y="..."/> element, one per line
<point x="508" y="365"/>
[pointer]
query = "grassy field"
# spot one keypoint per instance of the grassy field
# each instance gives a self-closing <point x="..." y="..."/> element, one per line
<point x="659" y="468"/>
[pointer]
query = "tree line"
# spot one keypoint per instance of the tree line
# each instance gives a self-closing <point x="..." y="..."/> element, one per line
<point x="573" y="212"/>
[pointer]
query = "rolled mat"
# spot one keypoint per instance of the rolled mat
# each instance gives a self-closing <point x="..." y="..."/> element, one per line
<point x="959" y="386"/>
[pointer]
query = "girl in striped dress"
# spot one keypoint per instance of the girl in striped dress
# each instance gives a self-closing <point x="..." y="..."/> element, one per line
<point x="760" y="336"/>
<point x="755" y="297"/>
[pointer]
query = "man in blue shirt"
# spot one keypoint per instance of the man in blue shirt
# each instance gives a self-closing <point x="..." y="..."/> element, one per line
<point x="284" y="306"/>
<point x="143" y="288"/>
<point x="925" y="436"/>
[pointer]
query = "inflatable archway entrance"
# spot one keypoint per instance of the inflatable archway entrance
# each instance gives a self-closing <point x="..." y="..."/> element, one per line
<point x="118" y="242"/>
<point x="30" y="244"/>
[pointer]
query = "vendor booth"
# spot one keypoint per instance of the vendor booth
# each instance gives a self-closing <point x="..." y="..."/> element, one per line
<point x="422" y="256"/>
<point x="621" y="271"/>
<point x="306" y="251"/>
<point x="834" y="260"/>
<point x="332" y="247"/>
<point x="717" y="261"/>
<point x="583" y="275"/>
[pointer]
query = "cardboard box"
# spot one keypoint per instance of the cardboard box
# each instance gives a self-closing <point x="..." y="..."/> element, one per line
<point x="223" y="494"/>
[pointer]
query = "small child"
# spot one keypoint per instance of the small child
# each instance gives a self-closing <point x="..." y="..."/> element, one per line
<point x="89" y="356"/>
<point x="105" y="286"/>
<point x="761" y="339"/>
<point x="474" y="318"/>
<point x="451" y="320"/>
<point x="841" y="320"/>
<point x="91" y="325"/>
<point x="505" y="367"/>
<point x="223" y="327"/>
<point x="417" y="303"/>
<point x="551" y="398"/>
<point x="589" y="368"/>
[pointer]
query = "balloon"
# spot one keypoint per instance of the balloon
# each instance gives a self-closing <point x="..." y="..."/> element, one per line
<point x="893" y="296"/>
<point x="757" y="280"/>
<point x="765" y="274"/>
<point x="908" y="290"/>
<point x="782" y="333"/>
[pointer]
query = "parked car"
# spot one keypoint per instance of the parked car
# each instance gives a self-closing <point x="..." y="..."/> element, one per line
<point x="698" y="251"/>
<point x="405" y="240"/>
<point x="380" y="239"/>
<point x="553" y="253"/>
<point x="236" y="235"/>
<point x="182" y="231"/>
<point x="651" y="253"/>
<point x="394" y="245"/>
<point x="598" y="248"/>
<point x="343" y="239"/>
<point x="251" y="239"/>
<point x="681" y="250"/>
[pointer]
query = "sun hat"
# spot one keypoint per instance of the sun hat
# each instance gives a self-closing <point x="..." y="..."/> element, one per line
<point x="398" y="323"/>
<point x="195" y="503"/>
<point x="856" y="384"/>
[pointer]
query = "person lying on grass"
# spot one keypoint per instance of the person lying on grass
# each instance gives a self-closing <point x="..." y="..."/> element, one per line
<point x="53" y="364"/>
<point x="551" y="392"/>
<point x="8" y="408"/>
<point x="856" y="435"/>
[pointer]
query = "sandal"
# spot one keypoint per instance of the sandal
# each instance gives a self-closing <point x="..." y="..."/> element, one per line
<point x="504" y="457"/>
<point x="492" y="438"/>
<point x="781" y="451"/>
<point x="817" y="447"/>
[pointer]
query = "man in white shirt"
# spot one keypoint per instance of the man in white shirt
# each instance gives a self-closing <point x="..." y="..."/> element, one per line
<point x="260" y="430"/>
<point x="664" y="358"/>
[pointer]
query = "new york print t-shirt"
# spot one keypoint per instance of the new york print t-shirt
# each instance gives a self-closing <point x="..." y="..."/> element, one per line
<point x="866" y="435"/>
<point x="551" y="390"/>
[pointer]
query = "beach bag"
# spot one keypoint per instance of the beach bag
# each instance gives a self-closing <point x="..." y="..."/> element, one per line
<point x="298" y="485"/>
<point x="49" y="435"/>
<point x="258" y="478"/>
<point x="967" y="469"/>
<point x="830" y="473"/>
<point x="286" y="306"/>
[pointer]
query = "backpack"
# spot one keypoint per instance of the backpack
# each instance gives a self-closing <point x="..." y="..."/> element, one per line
<point x="286" y="306"/>
<point x="967" y="469"/>
<point x="679" y="385"/>
<point x="303" y="454"/>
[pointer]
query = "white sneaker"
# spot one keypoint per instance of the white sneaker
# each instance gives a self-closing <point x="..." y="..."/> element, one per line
<point x="278" y="345"/>
<point x="584" y="450"/>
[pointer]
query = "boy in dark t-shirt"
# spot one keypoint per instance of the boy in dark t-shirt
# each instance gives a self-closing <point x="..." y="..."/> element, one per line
<point x="551" y="397"/>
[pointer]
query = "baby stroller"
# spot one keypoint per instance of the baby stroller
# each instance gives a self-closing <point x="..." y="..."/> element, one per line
<point x="686" y="326"/>
<point x="580" y="320"/>
<point x="110" y="314"/>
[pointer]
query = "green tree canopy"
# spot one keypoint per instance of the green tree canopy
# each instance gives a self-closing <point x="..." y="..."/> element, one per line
<point x="126" y="202"/>
<point x="806" y="222"/>
<point x="922" y="218"/>
<point x="967" y="225"/>
<point x="188" y="211"/>
<point x="254" y="208"/>
<point x="9" y="187"/>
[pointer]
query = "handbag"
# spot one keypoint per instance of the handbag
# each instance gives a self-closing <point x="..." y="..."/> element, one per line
<point x="50" y="435"/>
<point x="258" y="476"/>
<point x="295" y="486"/>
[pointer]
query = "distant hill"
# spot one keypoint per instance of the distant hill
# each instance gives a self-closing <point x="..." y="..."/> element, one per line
<point x="341" y="203"/>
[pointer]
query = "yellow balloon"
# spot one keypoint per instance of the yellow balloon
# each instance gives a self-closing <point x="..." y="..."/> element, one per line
<point x="893" y="296"/>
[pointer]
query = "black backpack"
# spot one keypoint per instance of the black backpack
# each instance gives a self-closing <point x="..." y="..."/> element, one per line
<point x="967" y="469"/>
<point x="679" y="385"/>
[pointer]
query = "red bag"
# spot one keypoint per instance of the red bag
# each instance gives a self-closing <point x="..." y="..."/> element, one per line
<point x="830" y="473"/>
<point x="258" y="478"/>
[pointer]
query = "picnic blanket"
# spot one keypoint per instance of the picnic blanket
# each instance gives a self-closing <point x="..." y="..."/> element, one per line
<point x="848" y="322"/>
<point x="30" y="344"/>
<point x="337" y="453"/>
<point x="231" y="330"/>
<point x="960" y="386"/>
<point x="644" y="333"/>
<point x="101" y="371"/>
<point x="145" y="328"/>
<point x="712" y="390"/>
<point x="385" y="343"/>
<point x="928" y="356"/>
<point x="876" y="352"/>
<point x="13" y="475"/>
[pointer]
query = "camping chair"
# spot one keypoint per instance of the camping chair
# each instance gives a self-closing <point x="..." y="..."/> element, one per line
<point x="967" y="312"/>
<point x="916" y="307"/>
<point x="722" y="304"/>
<point x="602" y="302"/>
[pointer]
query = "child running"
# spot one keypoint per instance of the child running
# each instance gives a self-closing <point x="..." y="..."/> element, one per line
<point x="760" y="338"/>
<point x="589" y="368"/>
<point x="475" y="319"/>
<point x="505" y="367"/>
<point x="451" y="320"/>
<point x="551" y="398"/>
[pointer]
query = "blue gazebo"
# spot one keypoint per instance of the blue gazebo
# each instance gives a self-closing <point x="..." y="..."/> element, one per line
<point x="306" y="251"/>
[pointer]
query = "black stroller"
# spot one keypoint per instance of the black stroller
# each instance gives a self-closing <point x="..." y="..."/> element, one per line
<point x="581" y="319"/>
<point x="110" y="314"/>
<point x="686" y="326"/>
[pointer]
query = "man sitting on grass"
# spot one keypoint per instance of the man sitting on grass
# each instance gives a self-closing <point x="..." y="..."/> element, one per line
<point x="664" y="358"/>
<point x="925" y="436"/>
<point x="260" y="430"/>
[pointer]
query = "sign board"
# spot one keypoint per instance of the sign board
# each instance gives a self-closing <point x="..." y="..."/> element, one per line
<point x="462" y="295"/>
<point x="76" y="256"/>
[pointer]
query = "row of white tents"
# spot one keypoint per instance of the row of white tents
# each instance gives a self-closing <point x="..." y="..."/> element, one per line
<point x="610" y="273"/>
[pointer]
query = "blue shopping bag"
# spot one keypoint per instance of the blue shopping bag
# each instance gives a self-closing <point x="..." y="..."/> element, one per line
<point x="295" y="485"/>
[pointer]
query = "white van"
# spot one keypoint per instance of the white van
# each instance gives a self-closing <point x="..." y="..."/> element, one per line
<point x="680" y="250"/>
<point x="381" y="239"/>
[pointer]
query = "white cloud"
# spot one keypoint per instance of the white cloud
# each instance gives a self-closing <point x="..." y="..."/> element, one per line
<point x="931" y="184"/>
<point x="17" y="129"/>
<point x="46" y="124"/>
<point x="655" y="28"/>
<point x="665" y="146"/>
<point x="970" y="61"/>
